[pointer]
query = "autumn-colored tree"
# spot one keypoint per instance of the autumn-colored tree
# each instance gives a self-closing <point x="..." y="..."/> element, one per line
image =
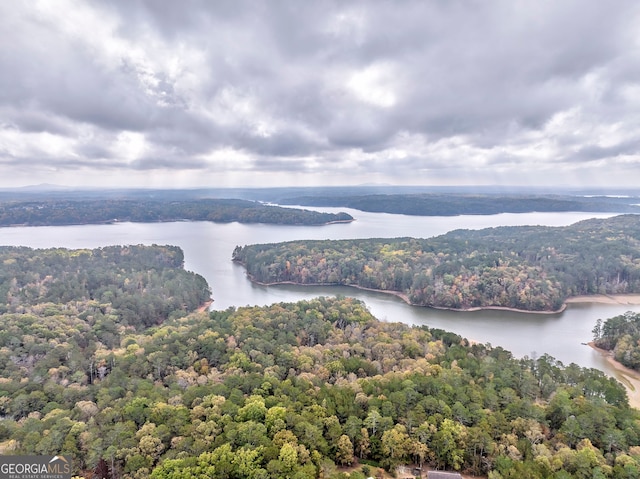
<point x="344" y="451"/>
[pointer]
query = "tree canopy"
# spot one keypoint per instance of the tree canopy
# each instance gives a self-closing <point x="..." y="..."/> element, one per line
<point x="621" y="336"/>
<point x="452" y="204"/>
<point x="109" y="210"/>
<point x="291" y="390"/>
<point x="531" y="268"/>
<point x="59" y="306"/>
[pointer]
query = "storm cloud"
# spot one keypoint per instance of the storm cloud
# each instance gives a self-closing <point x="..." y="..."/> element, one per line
<point x="198" y="93"/>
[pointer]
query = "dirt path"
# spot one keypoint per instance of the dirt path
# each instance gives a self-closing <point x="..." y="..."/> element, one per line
<point x="205" y="306"/>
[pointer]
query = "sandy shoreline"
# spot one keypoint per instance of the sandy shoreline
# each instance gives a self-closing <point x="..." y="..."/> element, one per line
<point x="606" y="299"/>
<point x="631" y="299"/>
<point x="629" y="378"/>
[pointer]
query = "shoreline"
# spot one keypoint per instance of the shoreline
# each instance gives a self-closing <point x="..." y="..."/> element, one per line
<point x="628" y="377"/>
<point x="406" y="299"/>
<point x="628" y="298"/>
<point x="337" y="222"/>
<point x="622" y="299"/>
<point x="115" y="221"/>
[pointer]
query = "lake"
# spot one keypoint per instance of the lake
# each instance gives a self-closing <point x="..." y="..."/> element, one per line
<point x="208" y="247"/>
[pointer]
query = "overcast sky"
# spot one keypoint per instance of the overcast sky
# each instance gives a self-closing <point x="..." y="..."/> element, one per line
<point x="214" y="93"/>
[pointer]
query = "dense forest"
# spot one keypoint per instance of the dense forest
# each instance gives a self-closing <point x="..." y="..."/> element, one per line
<point x="286" y="391"/>
<point x="532" y="268"/>
<point x="100" y="360"/>
<point x="116" y="286"/>
<point x="450" y="204"/>
<point x="621" y="336"/>
<point x="95" y="211"/>
<point x="59" y="307"/>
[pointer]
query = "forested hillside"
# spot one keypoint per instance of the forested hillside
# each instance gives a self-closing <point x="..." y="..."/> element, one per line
<point x="58" y="307"/>
<point x="532" y="268"/>
<point x="295" y="390"/>
<point x="100" y="361"/>
<point x="450" y="204"/>
<point x="92" y="211"/>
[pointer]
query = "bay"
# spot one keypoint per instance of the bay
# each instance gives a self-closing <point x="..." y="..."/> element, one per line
<point x="208" y="247"/>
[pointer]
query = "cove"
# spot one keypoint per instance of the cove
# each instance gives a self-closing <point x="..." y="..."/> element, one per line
<point x="208" y="247"/>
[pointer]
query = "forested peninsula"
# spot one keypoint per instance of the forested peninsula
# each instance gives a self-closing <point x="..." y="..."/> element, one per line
<point x="451" y="204"/>
<point x="109" y="210"/>
<point x="114" y="288"/>
<point x="620" y="336"/>
<point x="531" y="268"/>
<point x="101" y="361"/>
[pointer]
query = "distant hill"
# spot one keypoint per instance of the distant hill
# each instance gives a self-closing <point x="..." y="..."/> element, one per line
<point x="95" y="211"/>
<point x="407" y="200"/>
<point x="447" y="204"/>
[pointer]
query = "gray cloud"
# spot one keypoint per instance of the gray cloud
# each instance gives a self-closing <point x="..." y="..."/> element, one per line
<point x="597" y="152"/>
<point x="167" y="162"/>
<point x="317" y="88"/>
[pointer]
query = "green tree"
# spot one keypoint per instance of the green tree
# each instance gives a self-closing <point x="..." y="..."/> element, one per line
<point x="449" y="444"/>
<point x="344" y="451"/>
<point x="396" y="446"/>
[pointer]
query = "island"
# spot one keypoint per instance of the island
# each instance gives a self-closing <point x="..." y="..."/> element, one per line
<point x="529" y="268"/>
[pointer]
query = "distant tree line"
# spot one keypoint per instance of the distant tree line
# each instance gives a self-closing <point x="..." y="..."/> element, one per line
<point x="449" y="204"/>
<point x="91" y="211"/>
<point x="531" y="268"/>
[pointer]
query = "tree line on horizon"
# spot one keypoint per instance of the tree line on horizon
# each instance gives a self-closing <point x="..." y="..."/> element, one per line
<point x="454" y="204"/>
<point x="92" y="211"/>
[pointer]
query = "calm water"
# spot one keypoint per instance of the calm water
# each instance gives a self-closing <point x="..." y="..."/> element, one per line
<point x="208" y="248"/>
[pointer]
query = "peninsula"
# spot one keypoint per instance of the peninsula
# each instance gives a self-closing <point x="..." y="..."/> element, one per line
<point x="528" y="268"/>
<point x="58" y="212"/>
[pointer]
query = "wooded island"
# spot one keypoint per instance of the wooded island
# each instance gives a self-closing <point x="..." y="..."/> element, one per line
<point x="532" y="268"/>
